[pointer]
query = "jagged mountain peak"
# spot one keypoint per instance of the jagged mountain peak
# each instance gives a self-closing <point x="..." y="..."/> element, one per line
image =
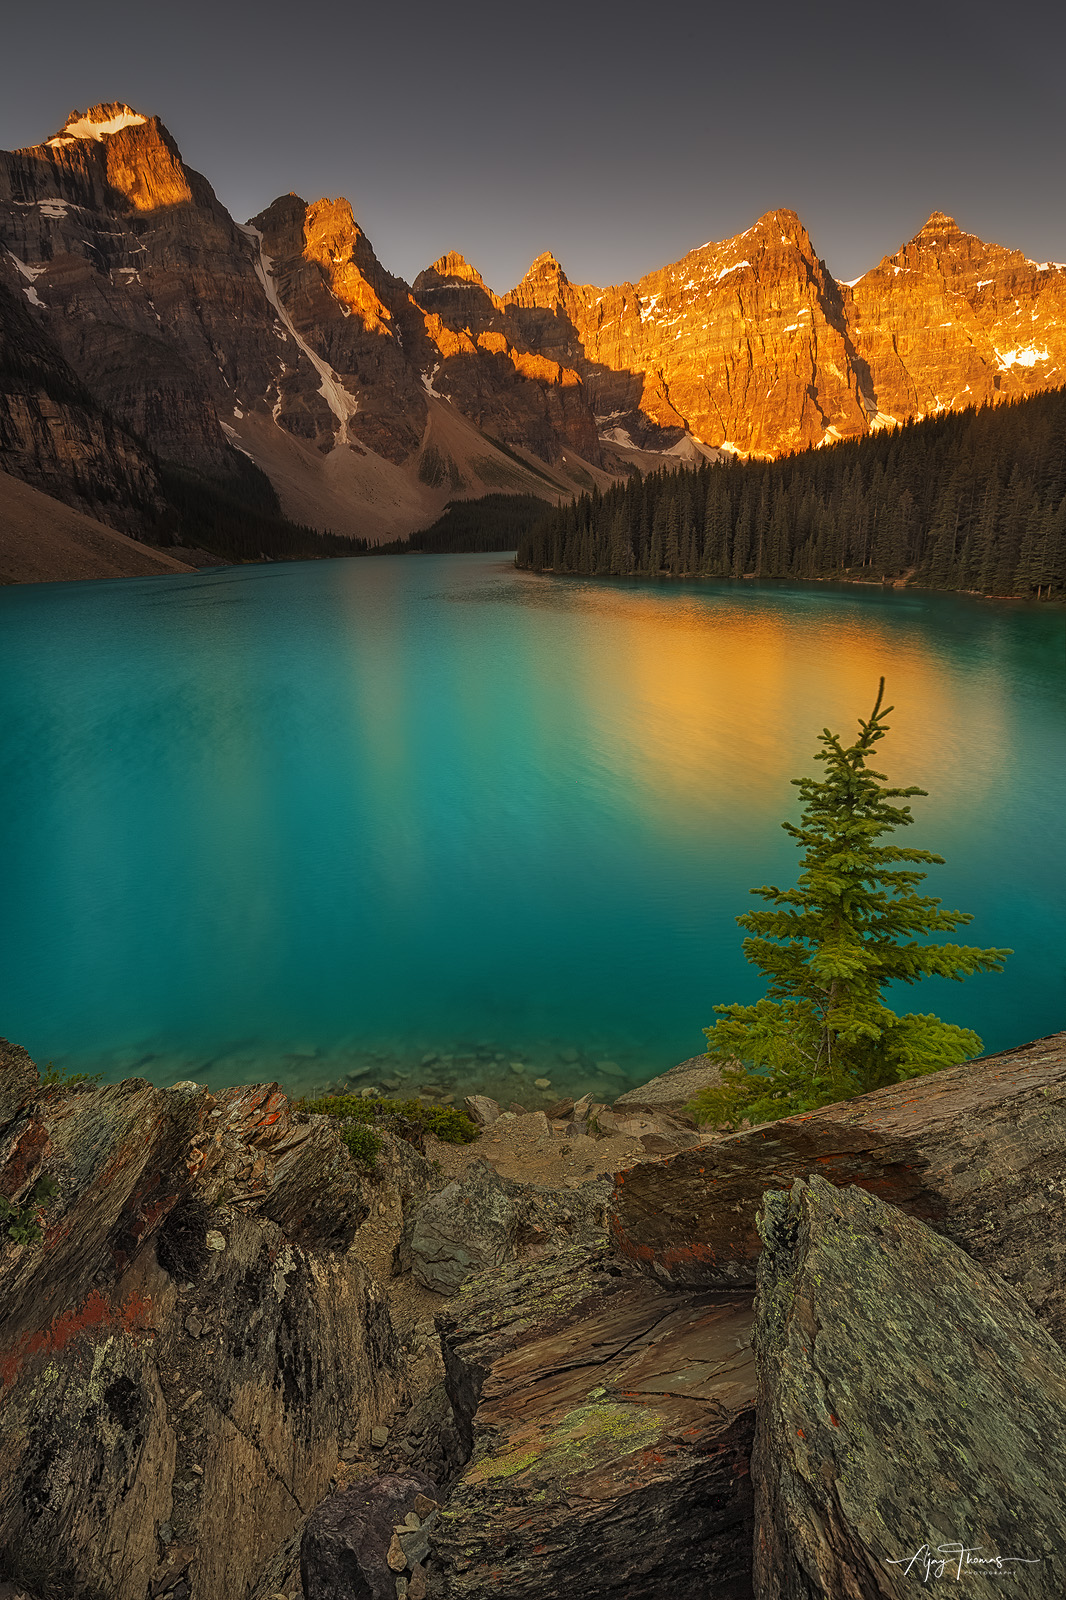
<point x="544" y="276"/>
<point x="449" y="269"/>
<point x="333" y="219"/>
<point x="287" y="209"/>
<point x="108" y="150"/>
<point x="780" y="226"/>
<point x="781" y="223"/>
<point x="546" y="262"/>
<point x="784" y="220"/>
<point x="939" y="222"/>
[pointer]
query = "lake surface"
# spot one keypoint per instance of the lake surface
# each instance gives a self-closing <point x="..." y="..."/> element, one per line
<point x="306" y="821"/>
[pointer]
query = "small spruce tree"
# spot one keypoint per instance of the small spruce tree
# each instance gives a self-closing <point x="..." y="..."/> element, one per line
<point x="852" y="924"/>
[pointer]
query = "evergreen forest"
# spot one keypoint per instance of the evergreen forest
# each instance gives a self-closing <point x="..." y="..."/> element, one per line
<point x="972" y="500"/>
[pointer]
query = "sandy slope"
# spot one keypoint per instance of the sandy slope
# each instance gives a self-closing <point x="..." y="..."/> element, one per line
<point x="44" y="541"/>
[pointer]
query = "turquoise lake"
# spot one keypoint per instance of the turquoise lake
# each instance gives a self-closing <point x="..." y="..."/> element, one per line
<point x="324" y="820"/>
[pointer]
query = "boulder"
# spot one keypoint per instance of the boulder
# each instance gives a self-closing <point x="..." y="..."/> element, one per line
<point x="481" y="1220"/>
<point x="185" y="1345"/>
<point x="976" y="1151"/>
<point x="911" y="1412"/>
<point x="658" y="1132"/>
<point x="608" y="1423"/>
<point x="481" y="1109"/>
<point x="470" y="1224"/>
<point x="672" y="1091"/>
<point x="350" y="1549"/>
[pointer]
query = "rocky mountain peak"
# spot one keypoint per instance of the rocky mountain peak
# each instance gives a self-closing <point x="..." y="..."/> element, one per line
<point x="779" y="227"/>
<point x="331" y="227"/>
<point x="107" y="151"/>
<point x="448" y="270"/>
<point x="545" y="283"/>
<point x="939" y="223"/>
<point x="546" y="262"/>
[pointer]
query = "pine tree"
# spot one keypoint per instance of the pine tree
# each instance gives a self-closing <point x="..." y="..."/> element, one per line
<point x="851" y="925"/>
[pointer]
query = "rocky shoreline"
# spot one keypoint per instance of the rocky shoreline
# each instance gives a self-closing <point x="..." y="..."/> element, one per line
<point x="598" y="1348"/>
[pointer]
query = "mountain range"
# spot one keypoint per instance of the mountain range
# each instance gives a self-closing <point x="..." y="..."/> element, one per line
<point x="143" y="331"/>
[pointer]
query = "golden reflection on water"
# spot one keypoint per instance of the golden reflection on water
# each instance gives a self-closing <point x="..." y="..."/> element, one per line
<point x="706" y="701"/>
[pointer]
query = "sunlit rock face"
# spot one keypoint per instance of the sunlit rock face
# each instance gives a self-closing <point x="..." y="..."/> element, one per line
<point x="743" y="343"/>
<point x="499" y="376"/>
<point x="950" y="321"/>
<point x="752" y="345"/>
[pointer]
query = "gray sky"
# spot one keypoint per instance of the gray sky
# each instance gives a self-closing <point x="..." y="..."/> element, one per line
<point x="618" y="136"/>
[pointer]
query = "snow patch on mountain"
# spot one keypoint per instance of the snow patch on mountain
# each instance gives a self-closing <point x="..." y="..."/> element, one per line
<point x="86" y="128"/>
<point x="30" y="274"/>
<point x="724" y="272"/>
<point x="1027" y="356"/>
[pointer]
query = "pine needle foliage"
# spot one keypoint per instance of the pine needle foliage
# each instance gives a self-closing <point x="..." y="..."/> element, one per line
<point x="854" y="923"/>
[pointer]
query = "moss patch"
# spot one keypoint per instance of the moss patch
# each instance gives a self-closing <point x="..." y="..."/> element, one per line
<point x="581" y="1441"/>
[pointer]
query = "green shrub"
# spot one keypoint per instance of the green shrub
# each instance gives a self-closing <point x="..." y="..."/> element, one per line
<point x="21" y="1223"/>
<point x="447" y="1123"/>
<point x="364" y="1145"/>
<point x="60" y="1078"/>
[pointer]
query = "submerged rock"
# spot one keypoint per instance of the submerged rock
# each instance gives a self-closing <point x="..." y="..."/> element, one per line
<point x="610" y="1423"/>
<point x="976" y="1151"/>
<point x="910" y="1409"/>
<point x="172" y="1410"/>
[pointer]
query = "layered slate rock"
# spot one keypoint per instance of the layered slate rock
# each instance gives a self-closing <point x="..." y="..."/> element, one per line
<point x="977" y="1151"/>
<point x="482" y="1220"/>
<point x="911" y="1411"/>
<point x="671" y="1092"/>
<point x="610" y="1423"/>
<point x="186" y="1344"/>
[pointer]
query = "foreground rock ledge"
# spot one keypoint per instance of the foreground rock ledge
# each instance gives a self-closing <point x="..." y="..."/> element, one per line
<point x="611" y="1424"/>
<point x="185" y="1348"/>
<point x="907" y="1401"/>
<point x="977" y="1151"/>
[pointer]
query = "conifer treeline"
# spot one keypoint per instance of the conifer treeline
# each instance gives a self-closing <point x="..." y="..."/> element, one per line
<point x="974" y="500"/>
